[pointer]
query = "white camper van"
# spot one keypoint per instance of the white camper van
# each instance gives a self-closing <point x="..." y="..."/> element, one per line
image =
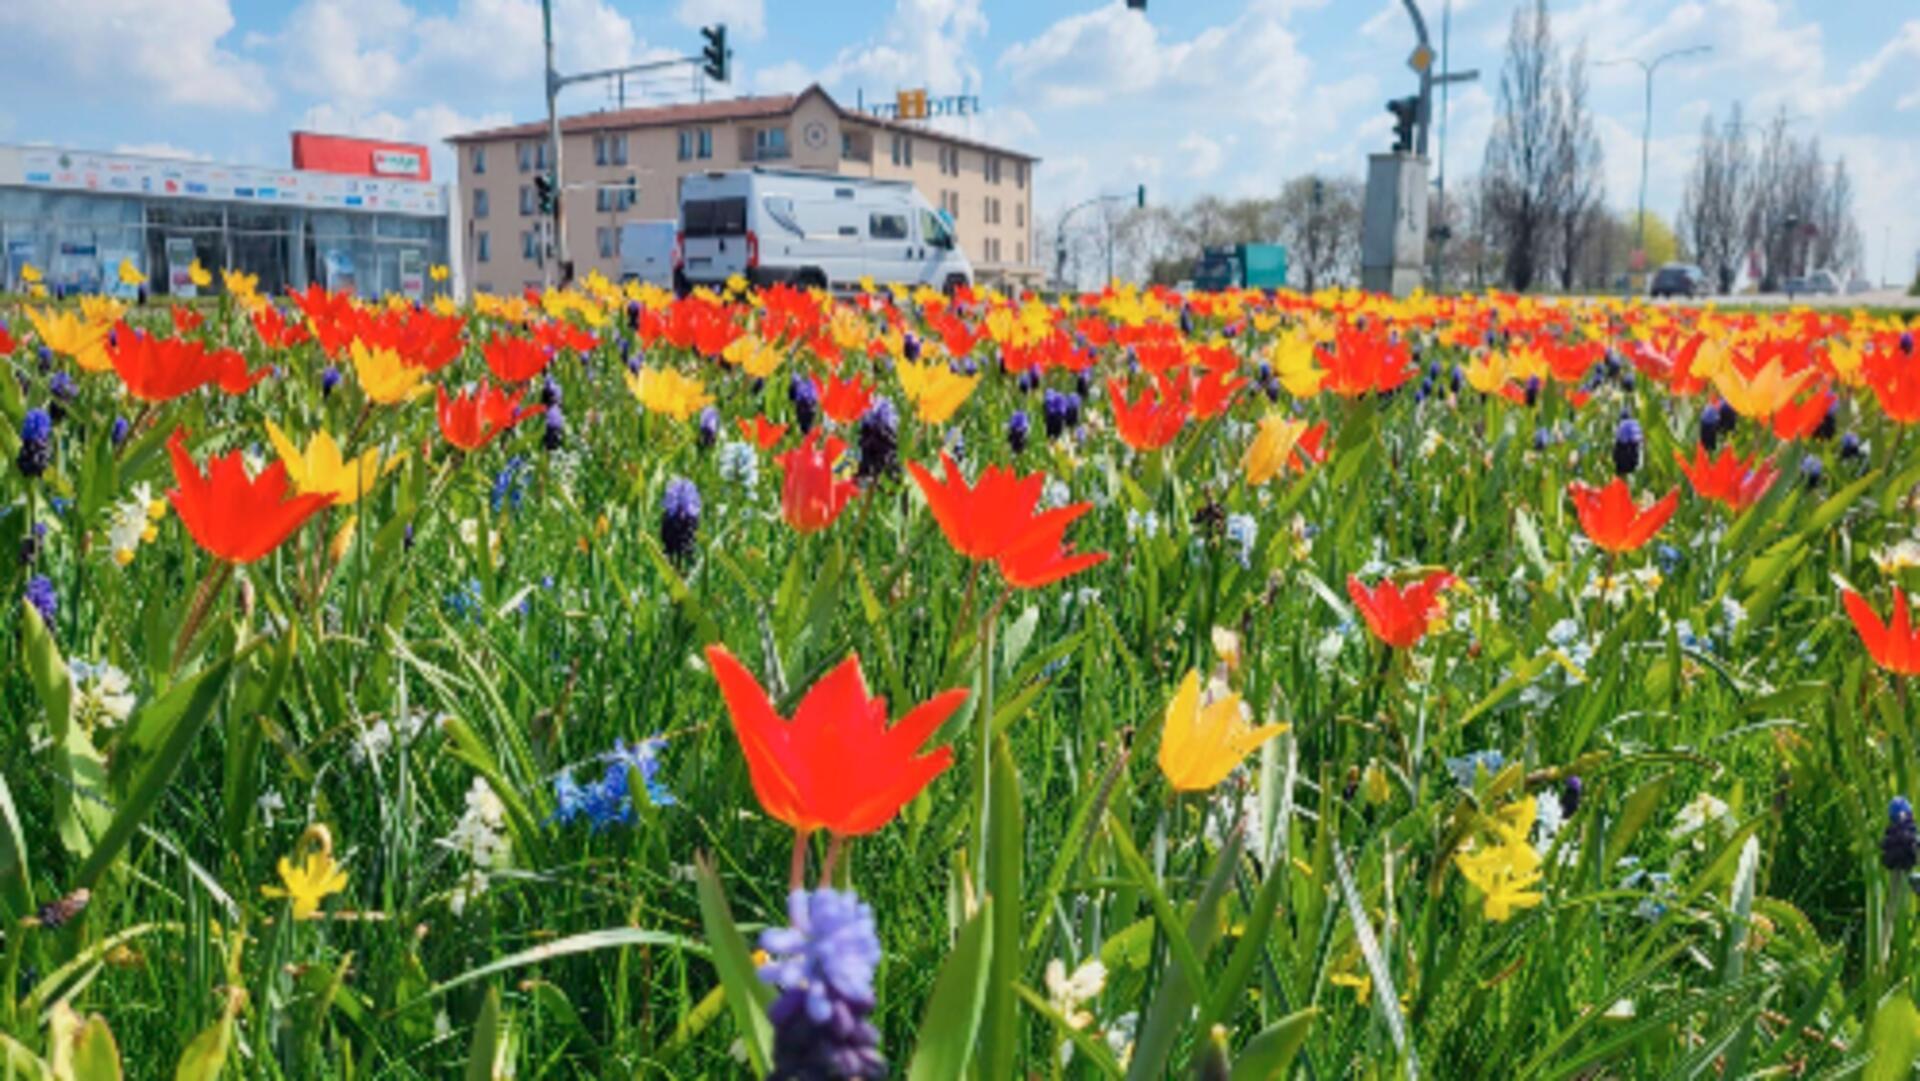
<point x="814" y="229"/>
<point x="650" y="252"/>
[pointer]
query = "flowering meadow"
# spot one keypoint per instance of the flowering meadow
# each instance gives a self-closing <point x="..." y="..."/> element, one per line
<point x="1126" y="685"/>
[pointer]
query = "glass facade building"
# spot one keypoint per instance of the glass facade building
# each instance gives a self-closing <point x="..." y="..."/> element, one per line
<point x="75" y="215"/>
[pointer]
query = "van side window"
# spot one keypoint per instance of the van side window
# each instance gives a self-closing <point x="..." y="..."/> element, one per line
<point x="843" y="193"/>
<point x="887" y="226"/>
<point x="780" y="209"/>
<point x="934" y="230"/>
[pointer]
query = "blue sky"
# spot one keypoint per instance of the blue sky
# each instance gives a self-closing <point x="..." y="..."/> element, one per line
<point x="1225" y="96"/>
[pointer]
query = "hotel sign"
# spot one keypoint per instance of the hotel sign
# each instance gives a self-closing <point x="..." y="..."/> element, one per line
<point x="916" y="105"/>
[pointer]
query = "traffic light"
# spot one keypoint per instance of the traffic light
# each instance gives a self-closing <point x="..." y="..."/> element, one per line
<point x="1137" y="5"/>
<point x="544" y="191"/>
<point x="1406" y="112"/>
<point x="1141" y="201"/>
<point x="719" y="59"/>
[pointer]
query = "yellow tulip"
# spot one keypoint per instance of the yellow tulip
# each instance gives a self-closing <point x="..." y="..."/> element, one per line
<point x="1272" y="448"/>
<point x="198" y="275"/>
<point x="1488" y="372"/>
<point x="322" y="470"/>
<point x="664" y="390"/>
<point x="1200" y="745"/>
<point x="752" y="355"/>
<point x="29" y="273"/>
<point x="438" y="272"/>
<point x="1293" y="362"/>
<point x="71" y="335"/>
<point x="935" y="390"/>
<point x="240" y="283"/>
<point x="1762" y="394"/>
<point x="130" y="274"/>
<point x="384" y="377"/>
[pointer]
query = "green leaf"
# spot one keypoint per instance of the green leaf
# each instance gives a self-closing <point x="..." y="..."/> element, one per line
<point x="1006" y="854"/>
<point x="16" y="881"/>
<point x="48" y="673"/>
<point x="206" y="1056"/>
<point x="1267" y="1056"/>
<point x="1173" y="1003"/>
<point x="81" y="1049"/>
<point x="952" y="1020"/>
<point x="172" y="754"/>
<point x="1639" y="807"/>
<point x="1894" y="1039"/>
<point x="585" y="942"/>
<point x="489" y="1040"/>
<point x="746" y="995"/>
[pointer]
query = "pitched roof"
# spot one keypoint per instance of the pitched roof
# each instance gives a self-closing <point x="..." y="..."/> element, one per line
<point x="765" y="106"/>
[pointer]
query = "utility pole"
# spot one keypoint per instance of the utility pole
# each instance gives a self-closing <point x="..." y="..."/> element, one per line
<point x="555" y="221"/>
<point x="1648" y="67"/>
<point x="1138" y="198"/>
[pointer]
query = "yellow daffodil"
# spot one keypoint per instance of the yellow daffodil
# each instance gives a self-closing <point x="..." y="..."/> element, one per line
<point x="1506" y="870"/>
<point x="1272" y="447"/>
<point x="935" y="390"/>
<point x="315" y="877"/>
<point x="384" y="377"/>
<point x="1293" y="362"/>
<point x="664" y="390"/>
<point x="1762" y="394"/>
<point x="752" y="355"/>
<point x="74" y="336"/>
<point x="130" y="274"/>
<point x="438" y="272"/>
<point x="322" y="470"/>
<point x="1201" y="744"/>
<point x="1361" y="985"/>
<point x="30" y="274"/>
<point x="198" y="275"/>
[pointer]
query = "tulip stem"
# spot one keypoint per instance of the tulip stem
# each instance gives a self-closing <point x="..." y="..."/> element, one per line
<point x="834" y="844"/>
<point x="216" y="577"/>
<point x="985" y="749"/>
<point x="797" y="868"/>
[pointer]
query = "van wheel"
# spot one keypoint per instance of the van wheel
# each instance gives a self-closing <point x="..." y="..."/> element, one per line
<point x="811" y="279"/>
<point x="680" y="286"/>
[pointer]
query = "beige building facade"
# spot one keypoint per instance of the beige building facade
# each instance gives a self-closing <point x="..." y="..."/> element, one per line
<point x="626" y="165"/>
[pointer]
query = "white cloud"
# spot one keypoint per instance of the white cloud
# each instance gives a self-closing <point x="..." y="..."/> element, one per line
<point x="347" y="49"/>
<point x="748" y="18"/>
<point x="923" y="43"/>
<point x="1203" y="156"/>
<point x="167" y="52"/>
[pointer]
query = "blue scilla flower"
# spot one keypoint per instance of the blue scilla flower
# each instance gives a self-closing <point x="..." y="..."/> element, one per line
<point x="465" y="602"/>
<point x="823" y="964"/>
<point x="508" y="484"/>
<point x="1667" y="556"/>
<point x="36" y="443"/>
<point x="1243" y="532"/>
<point x="609" y="800"/>
<point x="40" y="594"/>
<point x="679" y="518"/>
<point x="1468" y="767"/>
<point x="120" y="429"/>
<point x="329" y="379"/>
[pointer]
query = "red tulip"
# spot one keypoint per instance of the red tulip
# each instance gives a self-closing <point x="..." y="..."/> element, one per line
<point x="811" y="497"/>
<point x="844" y="400"/>
<point x="1893" y="646"/>
<point x="1610" y="518"/>
<point x="995" y="520"/>
<point x="1727" y="478"/>
<point x="835" y="765"/>
<point x="762" y="432"/>
<point x="162" y="369"/>
<point x="234" y="517"/>
<point x="1399" y="617"/>
<point x="1153" y="420"/>
<point x="470" y="421"/>
<point x="515" y="360"/>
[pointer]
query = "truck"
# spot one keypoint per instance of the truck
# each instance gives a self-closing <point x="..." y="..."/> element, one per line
<point x="1241" y="266"/>
<point x="650" y="251"/>
<point x="814" y="230"/>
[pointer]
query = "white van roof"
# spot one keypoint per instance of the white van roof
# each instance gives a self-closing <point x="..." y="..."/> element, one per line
<point x="838" y="179"/>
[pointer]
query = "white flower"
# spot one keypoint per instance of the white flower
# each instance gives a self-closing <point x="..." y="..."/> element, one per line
<point x="1055" y="494"/>
<point x="739" y="463"/>
<point x="480" y="833"/>
<point x="1697" y="814"/>
<point x="1067" y="993"/>
<point x="104" y="694"/>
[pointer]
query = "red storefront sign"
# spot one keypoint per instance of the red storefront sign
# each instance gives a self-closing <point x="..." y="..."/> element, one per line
<point x="360" y="157"/>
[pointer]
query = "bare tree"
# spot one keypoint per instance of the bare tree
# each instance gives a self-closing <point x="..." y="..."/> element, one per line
<point x="1715" y="202"/>
<point x="1578" y="177"/>
<point x="1522" y="172"/>
<point x="1836" y="242"/>
<point x="1319" y="219"/>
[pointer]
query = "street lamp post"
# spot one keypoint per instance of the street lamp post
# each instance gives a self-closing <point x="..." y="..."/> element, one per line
<point x="1648" y="67"/>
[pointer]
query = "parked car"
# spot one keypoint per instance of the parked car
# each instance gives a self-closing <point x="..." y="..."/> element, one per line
<point x="650" y="252"/>
<point x="816" y="230"/>
<point x="1678" y="280"/>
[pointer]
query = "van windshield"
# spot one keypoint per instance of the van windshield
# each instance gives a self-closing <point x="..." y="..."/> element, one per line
<point x="714" y="217"/>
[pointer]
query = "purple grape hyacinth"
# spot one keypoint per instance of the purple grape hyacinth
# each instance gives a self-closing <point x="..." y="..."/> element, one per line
<point x="823" y="966"/>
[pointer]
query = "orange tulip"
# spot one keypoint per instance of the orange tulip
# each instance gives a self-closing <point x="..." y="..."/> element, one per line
<point x="811" y="497"/>
<point x="995" y="520"/>
<point x="162" y="369"/>
<point x="1399" y="617"/>
<point x="470" y="421"/>
<point x="515" y="360"/>
<point x="1893" y="645"/>
<point x="1610" y="518"/>
<point x="835" y="765"/>
<point x="235" y="517"/>
<point x="1727" y="479"/>
<point x="1152" y="421"/>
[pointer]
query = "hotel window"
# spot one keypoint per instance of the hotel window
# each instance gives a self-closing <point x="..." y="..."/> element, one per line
<point x="479" y="160"/>
<point x="526" y="200"/>
<point x="603" y="198"/>
<point x="482" y="247"/>
<point x="599" y="150"/>
<point x="480" y="202"/>
<point x="1020" y="215"/>
<point x="617" y="148"/>
<point x="529" y="244"/>
<point x="525" y="150"/>
<point x="1019" y="174"/>
<point x="686" y="145"/>
<point x="1020" y="252"/>
<point x="706" y="144"/>
<point x="903" y="150"/>
<point x="770" y="144"/>
<point x="607" y="240"/>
